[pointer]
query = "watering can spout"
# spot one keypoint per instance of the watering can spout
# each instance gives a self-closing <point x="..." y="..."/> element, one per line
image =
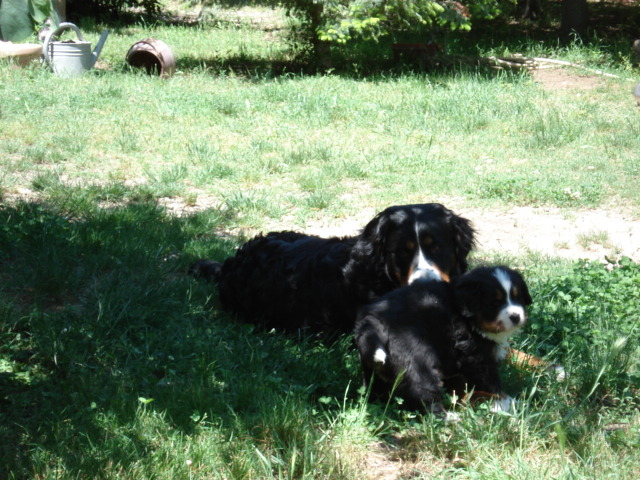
<point x="98" y="49"/>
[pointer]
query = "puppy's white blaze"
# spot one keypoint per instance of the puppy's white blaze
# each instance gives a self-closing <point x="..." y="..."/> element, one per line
<point x="380" y="356"/>
<point x="510" y="309"/>
<point x="505" y="282"/>
<point x="424" y="268"/>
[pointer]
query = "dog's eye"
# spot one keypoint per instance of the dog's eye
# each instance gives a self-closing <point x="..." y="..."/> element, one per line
<point x="429" y="244"/>
<point x="410" y="246"/>
<point x="514" y="292"/>
<point x="499" y="295"/>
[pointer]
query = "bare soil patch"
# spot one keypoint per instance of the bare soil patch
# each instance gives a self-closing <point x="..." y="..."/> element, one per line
<point x="562" y="79"/>
<point x="586" y="234"/>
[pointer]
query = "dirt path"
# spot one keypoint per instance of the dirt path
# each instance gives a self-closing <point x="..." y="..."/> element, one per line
<point x="589" y="234"/>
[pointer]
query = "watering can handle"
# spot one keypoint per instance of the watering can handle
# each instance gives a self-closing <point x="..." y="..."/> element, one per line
<point x="53" y="33"/>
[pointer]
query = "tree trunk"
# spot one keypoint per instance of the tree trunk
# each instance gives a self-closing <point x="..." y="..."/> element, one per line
<point x="321" y="49"/>
<point x="60" y="6"/>
<point x="575" y="18"/>
<point x="530" y="9"/>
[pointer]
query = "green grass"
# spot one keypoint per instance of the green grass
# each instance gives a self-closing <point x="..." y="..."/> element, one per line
<point x="115" y="364"/>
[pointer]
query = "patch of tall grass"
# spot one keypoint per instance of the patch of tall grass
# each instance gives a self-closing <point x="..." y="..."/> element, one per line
<point x="493" y="137"/>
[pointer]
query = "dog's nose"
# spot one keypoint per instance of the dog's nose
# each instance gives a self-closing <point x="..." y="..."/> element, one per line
<point x="515" y="318"/>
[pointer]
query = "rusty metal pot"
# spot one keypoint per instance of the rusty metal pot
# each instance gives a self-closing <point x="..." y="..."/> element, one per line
<point x="154" y="56"/>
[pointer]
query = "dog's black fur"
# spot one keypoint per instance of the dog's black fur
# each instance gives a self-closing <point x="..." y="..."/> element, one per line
<point x="294" y="282"/>
<point x="433" y="337"/>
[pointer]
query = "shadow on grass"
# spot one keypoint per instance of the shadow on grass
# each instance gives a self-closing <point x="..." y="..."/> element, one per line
<point x="113" y="360"/>
<point x="98" y="322"/>
<point x="612" y="31"/>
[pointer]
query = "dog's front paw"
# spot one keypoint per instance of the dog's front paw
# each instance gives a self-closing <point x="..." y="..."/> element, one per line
<point x="380" y="357"/>
<point x="503" y="404"/>
<point x="451" y="417"/>
<point x="558" y="371"/>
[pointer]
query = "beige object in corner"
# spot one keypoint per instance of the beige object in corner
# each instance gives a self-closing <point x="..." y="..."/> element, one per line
<point x="23" y="53"/>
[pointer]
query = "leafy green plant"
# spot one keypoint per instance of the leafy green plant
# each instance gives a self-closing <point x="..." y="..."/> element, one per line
<point x="19" y="18"/>
<point x="591" y="316"/>
<point x="340" y="21"/>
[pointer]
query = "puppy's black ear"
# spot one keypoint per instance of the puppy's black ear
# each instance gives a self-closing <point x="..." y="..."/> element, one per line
<point x="467" y="293"/>
<point x="465" y="237"/>
<point x="525" y="294"/>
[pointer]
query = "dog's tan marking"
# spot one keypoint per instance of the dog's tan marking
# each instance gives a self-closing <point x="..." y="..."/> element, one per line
<point x="521" y="359"/>
<point x="492" y="327"/>
<point x="518" y="358"/>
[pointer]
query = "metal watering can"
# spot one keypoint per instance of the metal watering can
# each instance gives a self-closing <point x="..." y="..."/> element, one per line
<point x="71" y="59"/>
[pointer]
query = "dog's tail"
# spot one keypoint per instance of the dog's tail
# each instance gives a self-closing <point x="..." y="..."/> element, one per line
<point x="206" y="270"/>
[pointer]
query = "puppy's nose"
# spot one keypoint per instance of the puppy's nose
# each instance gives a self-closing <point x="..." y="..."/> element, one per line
<point x="515" y="318"/>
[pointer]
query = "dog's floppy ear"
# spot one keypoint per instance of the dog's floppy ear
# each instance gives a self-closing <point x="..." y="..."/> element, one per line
<point x="465" y="240"/>
<point x="372" y="241"/>
<point x="525" y="292"/>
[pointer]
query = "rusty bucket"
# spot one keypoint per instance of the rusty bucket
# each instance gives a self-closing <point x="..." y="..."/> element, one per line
<point x="154" y="56"/>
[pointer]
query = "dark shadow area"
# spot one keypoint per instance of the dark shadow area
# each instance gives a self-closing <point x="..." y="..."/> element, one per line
<point x="101" y="330"/>
<point x="99" y="320"/>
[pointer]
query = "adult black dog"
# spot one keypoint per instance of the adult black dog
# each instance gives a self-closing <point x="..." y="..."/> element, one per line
<point x="294" y="282"/>
<point x="432" y="337"/>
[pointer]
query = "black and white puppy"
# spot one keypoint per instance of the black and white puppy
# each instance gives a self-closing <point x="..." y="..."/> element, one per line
<point x="431" y="337"/>
<point x="298" y="282"/>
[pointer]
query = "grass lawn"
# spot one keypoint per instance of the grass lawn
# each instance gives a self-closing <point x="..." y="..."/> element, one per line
<point x="115" y="364"/>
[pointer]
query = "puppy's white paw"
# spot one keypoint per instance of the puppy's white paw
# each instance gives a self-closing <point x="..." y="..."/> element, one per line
<point x="451" y="417"/>
<point x="559" y="371"/>
<point x="380" y="357"/>
<point x="503" y="404"/>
